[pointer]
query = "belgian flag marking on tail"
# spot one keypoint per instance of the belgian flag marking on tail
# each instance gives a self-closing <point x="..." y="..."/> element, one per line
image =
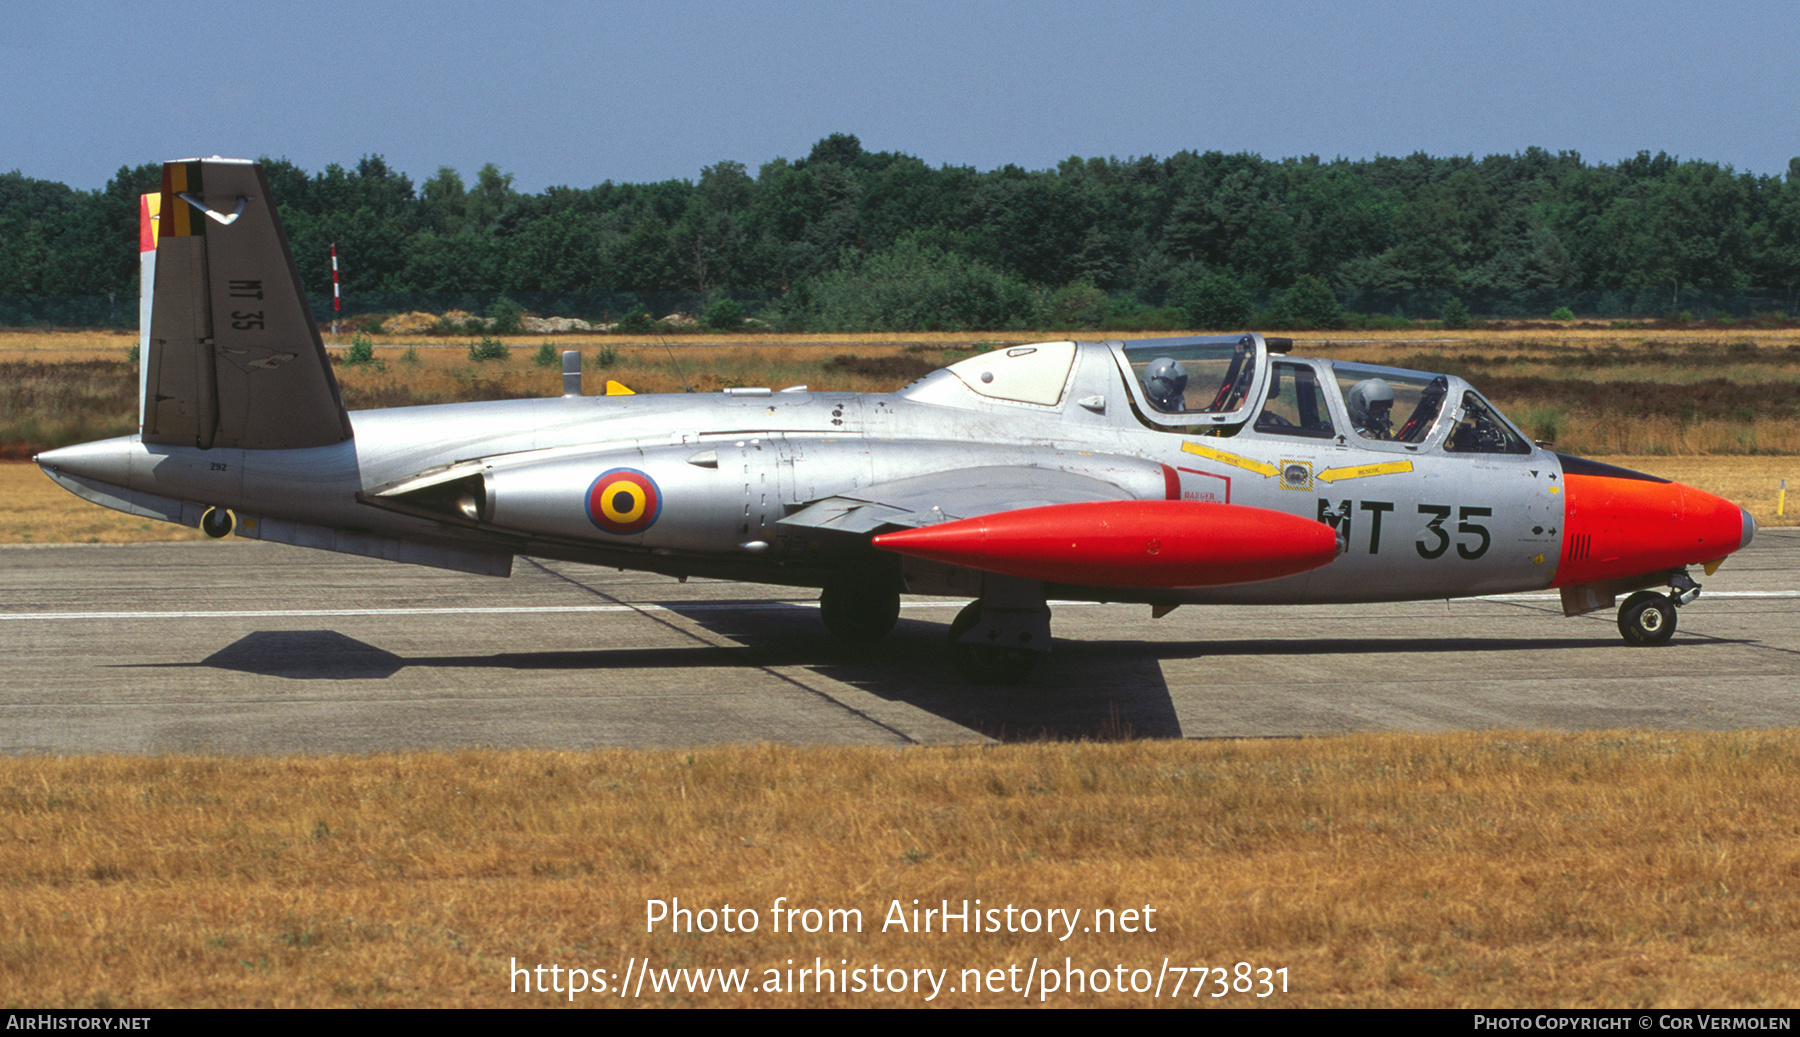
<point x="624" y="501"/>
<point x="149" y="219"/>
<point x="182" y="221"/>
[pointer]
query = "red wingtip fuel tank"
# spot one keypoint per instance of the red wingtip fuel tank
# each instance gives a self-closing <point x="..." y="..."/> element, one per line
<point x="1128" y="543"/>
<point x="1619" y="524"/>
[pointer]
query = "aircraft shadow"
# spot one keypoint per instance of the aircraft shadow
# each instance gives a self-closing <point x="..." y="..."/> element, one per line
<point x="1086" y="690"/>
<point x="1073" y="695"/>
<point x="1079" y="695"/>
<point x="330" y="655"/>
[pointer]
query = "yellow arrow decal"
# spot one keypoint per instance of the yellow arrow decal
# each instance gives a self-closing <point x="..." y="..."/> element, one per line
<point x="1364" y="470"/>
<point x="1248" y="465"/>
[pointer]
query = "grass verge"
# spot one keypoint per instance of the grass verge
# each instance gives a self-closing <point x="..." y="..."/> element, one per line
<point x="1490" y="868"/>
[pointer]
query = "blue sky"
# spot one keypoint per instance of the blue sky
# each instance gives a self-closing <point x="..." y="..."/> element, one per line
<point x="579" y="93"/>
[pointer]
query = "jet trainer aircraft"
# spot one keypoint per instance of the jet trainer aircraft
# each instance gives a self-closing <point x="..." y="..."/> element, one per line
<point x="1163" y="472"/>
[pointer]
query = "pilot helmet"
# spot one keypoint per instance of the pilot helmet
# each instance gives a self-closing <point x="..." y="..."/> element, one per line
<point x="1165" y="380"/>
<point x="1371" y="403"/>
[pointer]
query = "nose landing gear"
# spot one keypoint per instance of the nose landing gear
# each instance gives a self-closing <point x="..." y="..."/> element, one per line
<point x="1647" y="618"/>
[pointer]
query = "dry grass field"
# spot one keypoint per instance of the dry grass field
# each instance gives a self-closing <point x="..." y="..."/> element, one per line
<point x="1476" y="869"/>
<point x="1587" y="390"/>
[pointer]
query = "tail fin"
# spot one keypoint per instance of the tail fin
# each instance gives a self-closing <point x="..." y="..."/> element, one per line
<point x="232" y="357"/>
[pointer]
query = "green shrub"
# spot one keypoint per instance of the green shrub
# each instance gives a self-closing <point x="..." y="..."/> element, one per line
<point x="1079" y="305"/>
<point x="546" y="356"/>
<point x="1127" y="314"/>
<point x="1375" y="322"/>
<point x="506" y="317"/>
<point x="724" y="315"/>
<point x="636" y="322"/>
<point x="1310" y="303"/>
<point x="919" y="287"/>
<point x="1213" y="300"/>
<point x="1454" y="315"/>
<point x="448" y="325"/>
<point x="1543" y="422"/>
<point x="362" y="350"/>
<point x="1563" y="313"/>
<point x="411" y="356"/>
<point x="607" y="357"/>
<point x="489" y="348"/>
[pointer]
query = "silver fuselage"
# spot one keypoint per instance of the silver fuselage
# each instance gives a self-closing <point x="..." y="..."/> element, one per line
<point x="732" y="471"/>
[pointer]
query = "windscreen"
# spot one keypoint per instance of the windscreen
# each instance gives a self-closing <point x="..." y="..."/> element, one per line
<point x="1480" y="429"/>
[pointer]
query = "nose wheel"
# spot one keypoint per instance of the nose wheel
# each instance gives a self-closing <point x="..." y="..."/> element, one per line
<point x="1647" y="619"/>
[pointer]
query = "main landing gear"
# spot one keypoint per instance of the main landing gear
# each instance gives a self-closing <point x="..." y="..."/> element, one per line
<point x="986" y="663"/>
<point x="999" y="637"/>
<point x="996" y="639"/>
<point x="1648" y="618"/>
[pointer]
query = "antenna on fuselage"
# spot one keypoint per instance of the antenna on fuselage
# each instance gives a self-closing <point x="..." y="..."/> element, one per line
<point x="679" y="373"/>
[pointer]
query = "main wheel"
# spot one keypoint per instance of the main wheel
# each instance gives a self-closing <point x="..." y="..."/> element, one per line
<point x="860" y="613"/>
<point x="986" y="664"/>
<point x="1647" y="618"/>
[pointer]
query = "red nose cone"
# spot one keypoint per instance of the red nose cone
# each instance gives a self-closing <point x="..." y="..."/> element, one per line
<point x="1128" y="543"/>
<point x="1618" y="527"/>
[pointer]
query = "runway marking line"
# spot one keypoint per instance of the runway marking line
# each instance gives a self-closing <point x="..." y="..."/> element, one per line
<point x="507" y="610"/>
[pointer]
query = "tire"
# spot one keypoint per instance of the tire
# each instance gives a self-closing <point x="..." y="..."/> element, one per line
<point x="1647" y="619"/>
<point x="216" y="523"/>
<point x="859" y="613"/>
<point x="965" y="620"/>
<point x="986" y="664"/>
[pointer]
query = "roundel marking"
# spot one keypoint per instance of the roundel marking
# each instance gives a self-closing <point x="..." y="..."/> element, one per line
<point x="624" y="501"/>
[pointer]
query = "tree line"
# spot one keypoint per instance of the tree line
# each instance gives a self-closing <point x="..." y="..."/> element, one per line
<point x="847" y="237"/>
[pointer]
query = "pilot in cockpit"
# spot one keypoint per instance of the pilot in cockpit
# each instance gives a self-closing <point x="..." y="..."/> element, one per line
<point x="1371" y="403"/>
<point x="1165" y="385"/>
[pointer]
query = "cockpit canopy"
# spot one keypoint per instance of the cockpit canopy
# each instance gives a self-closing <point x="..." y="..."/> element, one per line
<point x="1224" y="384"/>
<point x="1389" y="405"/>
<point x="1231" y="382"/>
<point x="1182" y="382"/>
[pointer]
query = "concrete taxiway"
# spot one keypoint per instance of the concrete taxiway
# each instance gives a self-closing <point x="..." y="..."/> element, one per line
<point x="243" y="647"/>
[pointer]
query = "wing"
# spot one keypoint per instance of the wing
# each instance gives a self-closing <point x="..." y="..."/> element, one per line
<point x="1061" y="527"/>
<point x="927" y="500"/>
